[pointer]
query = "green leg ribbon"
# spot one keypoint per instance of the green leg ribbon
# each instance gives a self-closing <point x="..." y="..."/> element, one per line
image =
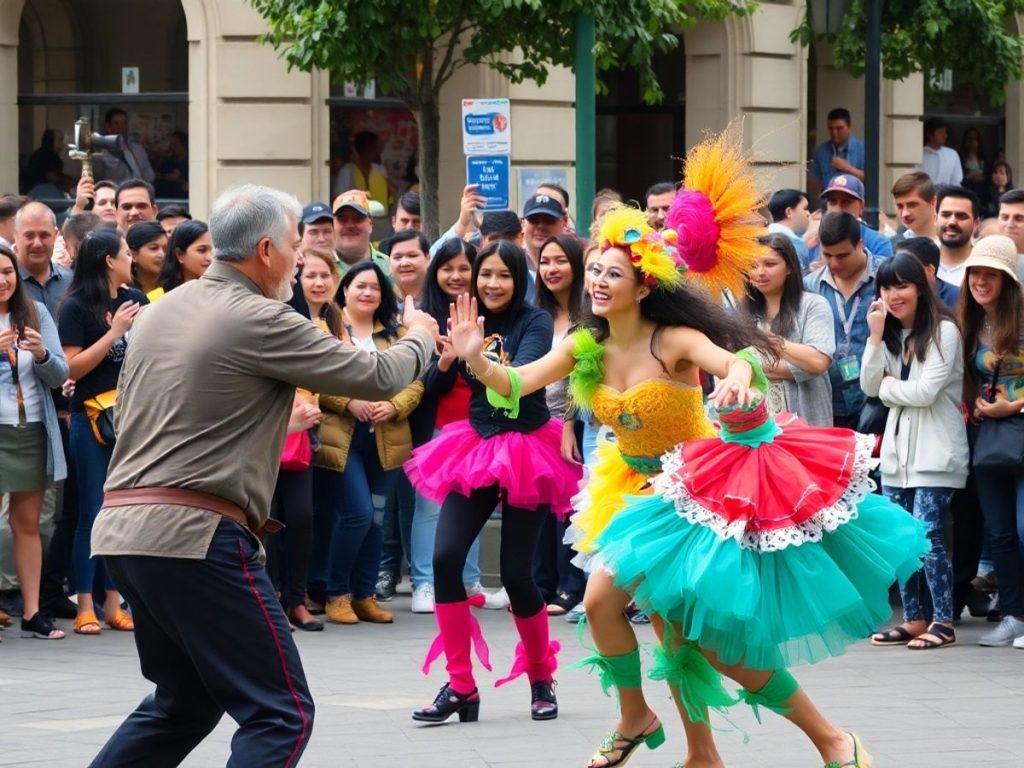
<point x="700" y="684"/>
<point x="773" y="695"/>
<point x="612" y="671"/>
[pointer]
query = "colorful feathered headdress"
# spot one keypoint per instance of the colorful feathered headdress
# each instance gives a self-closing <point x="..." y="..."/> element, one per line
<point x="715" y="214"/>
<point x="653" y="253"/>
<point x="712" y="228"/>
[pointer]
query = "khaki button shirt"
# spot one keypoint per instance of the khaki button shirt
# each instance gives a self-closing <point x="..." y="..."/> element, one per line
<point x="204" y="399"/>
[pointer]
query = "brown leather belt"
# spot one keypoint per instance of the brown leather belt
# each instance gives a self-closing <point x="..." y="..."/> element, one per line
<point x="181" y="497"/>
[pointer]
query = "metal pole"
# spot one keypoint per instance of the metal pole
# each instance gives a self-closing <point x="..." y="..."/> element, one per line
<point x="872" y="110"/>
<point x="586" y="116"/>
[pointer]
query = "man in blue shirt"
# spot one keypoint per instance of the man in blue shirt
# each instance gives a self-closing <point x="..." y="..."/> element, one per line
<point x="842" y="153"/>
<point x="846" y="193"/>
<point x="847" y="281"/>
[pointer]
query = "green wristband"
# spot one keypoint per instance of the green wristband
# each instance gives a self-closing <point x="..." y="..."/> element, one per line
<point x="509" y="403"/>
<point x="759" y="380"/>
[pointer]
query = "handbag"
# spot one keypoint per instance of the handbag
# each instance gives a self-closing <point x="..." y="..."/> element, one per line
<point x="873" y="416"/>
<point x="100" y="411"/>
<point x="1000" y="442"/>
<point x="297" y="453"/>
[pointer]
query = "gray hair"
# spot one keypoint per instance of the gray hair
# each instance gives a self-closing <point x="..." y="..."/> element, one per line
<point x="29" y="206"/>
<point x="244" y="215"/>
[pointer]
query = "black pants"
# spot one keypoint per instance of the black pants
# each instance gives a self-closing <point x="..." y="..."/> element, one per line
<point x="968" y="537"/>
<point x="293" y="506"/>
<point x="462" y="518"/>
<point x="212" y="637"/>
<point x="552" y="564"/>
<point x="57" y="557"/>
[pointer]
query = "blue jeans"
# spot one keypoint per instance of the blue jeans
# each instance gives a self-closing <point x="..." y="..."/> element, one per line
<point x="1001" y="494"/>
<point x="928" y="594"/>
<point x="421" y="544"/>
<point x="358" y="537"/>
<point x="91" y="461"/>
<point x="398" y="512"/>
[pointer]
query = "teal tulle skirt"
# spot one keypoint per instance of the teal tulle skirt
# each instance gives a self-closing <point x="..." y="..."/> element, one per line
<point x="763" y="598"/>
<point x="765" y="610"/>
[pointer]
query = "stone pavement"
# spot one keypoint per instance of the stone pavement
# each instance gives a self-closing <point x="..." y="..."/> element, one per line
<point x="958" y="707"/>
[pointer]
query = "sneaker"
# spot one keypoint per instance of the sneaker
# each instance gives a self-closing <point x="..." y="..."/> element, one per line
<point x="1019" y="643"/>
<point x="386" y="587"/>
<point x="575" y="616"/>
<point x="423" y="599"/>
<point x="495" y="601"/>
<point x="1009" y="630"/>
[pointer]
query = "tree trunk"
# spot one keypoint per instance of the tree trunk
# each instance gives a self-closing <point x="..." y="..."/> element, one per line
<point x="428" y="117"/>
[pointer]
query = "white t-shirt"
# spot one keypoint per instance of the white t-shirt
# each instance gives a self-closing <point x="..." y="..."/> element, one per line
<point x="942" y="165"/>
<point x="954" y="276"/>
<point x="31" y="388"/>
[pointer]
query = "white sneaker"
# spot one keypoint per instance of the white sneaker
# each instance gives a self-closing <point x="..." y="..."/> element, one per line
<point x="495" y="601"/>
<point x="575" y="616"/>
<point x="423" y="599"/>
<point x="1007" y="633"/>
<point x="1019" y="642"/>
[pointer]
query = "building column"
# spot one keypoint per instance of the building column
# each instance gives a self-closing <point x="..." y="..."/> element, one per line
<point x="747" y="66"/>
<point x="10" y="23"/>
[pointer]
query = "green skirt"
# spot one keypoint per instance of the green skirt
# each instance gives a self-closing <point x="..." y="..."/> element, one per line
<point x="23" y="458"/>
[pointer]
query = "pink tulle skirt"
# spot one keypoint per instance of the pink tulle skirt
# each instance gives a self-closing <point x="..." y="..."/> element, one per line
<point x="529" y="467"/>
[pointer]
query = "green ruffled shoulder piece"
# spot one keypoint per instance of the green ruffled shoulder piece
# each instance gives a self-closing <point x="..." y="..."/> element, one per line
<point x="588" y="372"/>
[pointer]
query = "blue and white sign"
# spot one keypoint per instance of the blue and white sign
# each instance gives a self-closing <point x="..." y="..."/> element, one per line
<point x="492" y="176"/>
<point x="486" y="127"/>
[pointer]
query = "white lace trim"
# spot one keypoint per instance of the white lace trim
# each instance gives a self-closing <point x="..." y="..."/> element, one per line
<point x="813" y="529"/>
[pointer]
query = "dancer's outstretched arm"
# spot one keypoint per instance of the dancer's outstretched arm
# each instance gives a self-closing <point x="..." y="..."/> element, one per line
<point x="466" y="331"/>
<point x="690" y="346"/>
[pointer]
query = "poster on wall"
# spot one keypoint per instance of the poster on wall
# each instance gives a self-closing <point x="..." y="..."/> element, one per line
<point x="529" y="177"/>
<point x="153" y="130"/>
<point x="399" y="140"/>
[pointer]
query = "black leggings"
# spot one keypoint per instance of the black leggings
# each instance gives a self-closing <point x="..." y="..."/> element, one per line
<point x="460" y="523"/>
<point x="293" y="506"/>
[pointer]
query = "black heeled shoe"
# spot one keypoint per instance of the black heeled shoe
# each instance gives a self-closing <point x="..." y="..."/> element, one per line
<point x="543" y="704"/>
<point x="450" y="702"/>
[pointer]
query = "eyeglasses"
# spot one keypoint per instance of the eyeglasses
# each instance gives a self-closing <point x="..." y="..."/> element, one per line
<point x="610" y="274"/>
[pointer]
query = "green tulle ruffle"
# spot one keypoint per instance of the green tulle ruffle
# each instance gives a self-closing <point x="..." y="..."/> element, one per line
<point x="588" y="372"/>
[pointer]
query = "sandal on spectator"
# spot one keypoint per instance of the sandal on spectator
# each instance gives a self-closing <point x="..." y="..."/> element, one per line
<point x="945" y="637"/>
<point x="563" y="603"/>
<point x="121" y="621"/>
<point x="5" y="619"/>
<point x="40" y="627"/>
<point x="895" y="636"/>
<point x="84" y="621"/>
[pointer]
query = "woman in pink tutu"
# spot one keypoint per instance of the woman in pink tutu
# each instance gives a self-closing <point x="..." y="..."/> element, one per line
<point x="510" y="458"/>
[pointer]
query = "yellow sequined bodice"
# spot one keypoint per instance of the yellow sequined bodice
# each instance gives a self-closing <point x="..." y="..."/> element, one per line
<point x="653" y="416"/>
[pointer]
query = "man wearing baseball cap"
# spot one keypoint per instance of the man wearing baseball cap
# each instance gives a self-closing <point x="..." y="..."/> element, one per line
<point x="353" y="226"/>
<point x="317" y="227"/>
<point x="543" y="216"/>
<point x="845" y="192"/>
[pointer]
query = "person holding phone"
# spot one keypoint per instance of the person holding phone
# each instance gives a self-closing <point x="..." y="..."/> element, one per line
<point x="95" y="318"/>
<point x="31" y="456"/>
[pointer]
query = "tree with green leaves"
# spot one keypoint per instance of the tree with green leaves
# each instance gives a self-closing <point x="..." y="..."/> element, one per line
<point x="970" y="37"/>
<point x="412" y="50"/>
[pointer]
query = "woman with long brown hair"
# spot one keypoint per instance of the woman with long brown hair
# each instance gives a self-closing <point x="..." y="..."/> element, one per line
<point x="991" y="312"/>
<point x="31" y="456"/>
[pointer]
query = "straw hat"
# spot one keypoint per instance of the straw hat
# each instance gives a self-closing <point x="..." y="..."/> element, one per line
<point x="995" y="252"/>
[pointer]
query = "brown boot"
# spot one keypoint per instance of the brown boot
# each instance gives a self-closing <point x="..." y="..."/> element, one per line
<point x="367" y="610"/>
<point x="339" y="610"/>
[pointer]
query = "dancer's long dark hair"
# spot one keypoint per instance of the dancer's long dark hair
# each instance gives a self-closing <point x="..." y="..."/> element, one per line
<point x="905" y="268"/>
<point x="784" y="322"/>
<point x="689" y="307"/>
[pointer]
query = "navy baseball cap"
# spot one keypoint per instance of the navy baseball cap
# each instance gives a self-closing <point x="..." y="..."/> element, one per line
<point x="846" y="183"/>
<point x="544" y="205"/>
<point x="316" y="212"/>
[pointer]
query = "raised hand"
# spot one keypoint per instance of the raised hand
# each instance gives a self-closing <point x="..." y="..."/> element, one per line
<point x="876" y="319"/>
<point x="413" y="318"/>
<point x="466" y="328"/>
